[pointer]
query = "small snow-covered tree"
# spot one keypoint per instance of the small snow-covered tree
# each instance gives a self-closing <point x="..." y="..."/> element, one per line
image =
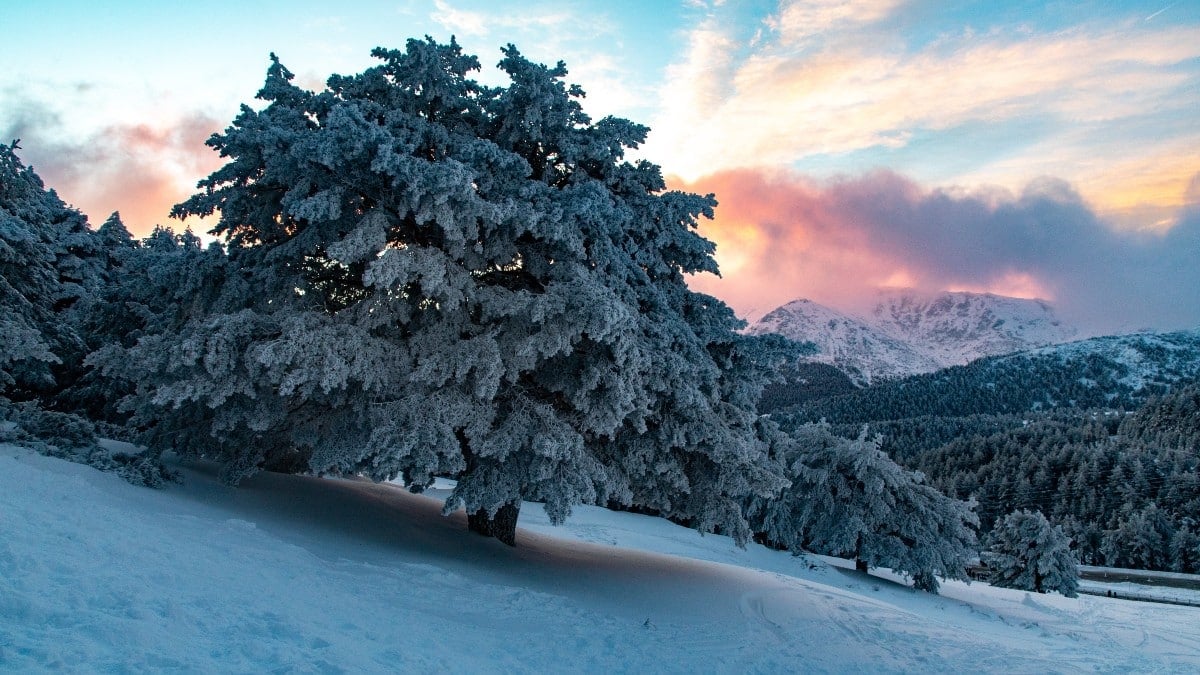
<point x="1027" y="552"/>
<point x="429" y="277"/>
<point x="1185" y="550"/>
<point x="30" y="288"/>
<point x="52" y="269"/>
<point x="848" y="498"/>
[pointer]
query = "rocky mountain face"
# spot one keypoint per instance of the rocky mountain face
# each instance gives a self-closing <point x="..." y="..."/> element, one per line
<point x="907" y="333"/>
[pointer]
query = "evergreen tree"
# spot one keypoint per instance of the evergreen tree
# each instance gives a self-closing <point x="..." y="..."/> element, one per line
<point x="1027" y="552"/>
<point x="156" y="284"/>
<point x="429" y="277"/>
<point x="52" y="266"/>
<point x="52" y="269"/>
<point x="32" y="290"/>
<point x="1185" y="550"/>
<point x="848" y="498"/>
<point x="1141" y="540"/>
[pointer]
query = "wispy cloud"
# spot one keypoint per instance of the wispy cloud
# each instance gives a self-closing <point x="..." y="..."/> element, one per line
<point x="458" y="21"/>
<point x="476" y="23"/>
<point x="797" y="22"/>
<point x="549" y="33"/>
<point x="827" y="79"/>
<point x="782" y="235"/>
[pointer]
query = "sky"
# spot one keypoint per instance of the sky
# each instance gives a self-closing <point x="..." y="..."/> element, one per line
<point x="1039" y="149"/>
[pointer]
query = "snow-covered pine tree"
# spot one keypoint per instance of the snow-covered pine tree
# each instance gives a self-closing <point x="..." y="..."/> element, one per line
<point x="49" y="265"/>
<point x="52" y="268"/>
<point x="430" y="277"/>
<point x="1027" y="552"/>
<point x="1185" y="550"/>
<point x="848" y="498"/>
<point x="28" y="283"/>
<point x="1141" y="539"/>
<point x="154" y="285"/>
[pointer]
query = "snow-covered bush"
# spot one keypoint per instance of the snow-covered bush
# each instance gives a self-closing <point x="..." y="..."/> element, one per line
<point x="1025" y="551"/>
<point x="430" y="277"/>
<point x="848" y="498"/>
<point x="74" y="438"/>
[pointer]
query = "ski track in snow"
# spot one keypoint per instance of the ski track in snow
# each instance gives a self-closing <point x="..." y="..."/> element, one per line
<point x="310" y="575"/>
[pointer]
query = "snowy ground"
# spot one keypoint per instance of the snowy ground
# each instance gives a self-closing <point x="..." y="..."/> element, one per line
<point x="295" y="573"/>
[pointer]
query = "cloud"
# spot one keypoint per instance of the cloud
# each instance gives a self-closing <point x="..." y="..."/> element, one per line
<point x="798" y="22"/>
<point x="141" y="170"/>
<point x="829" y="79"/>
<point x="474" y="23"/>
<point x="547" y="33"/>
<point x="461" y="22"/>
<point x="781" y="235"/>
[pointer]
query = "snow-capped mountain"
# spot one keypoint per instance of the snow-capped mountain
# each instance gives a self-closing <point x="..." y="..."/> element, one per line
<point x="906" y="332"/>
<point x="863" y="351"/>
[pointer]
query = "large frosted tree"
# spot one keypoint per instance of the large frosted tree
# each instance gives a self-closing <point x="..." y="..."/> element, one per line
<point x="429" y="277"/>
<point x="848" y="498"/>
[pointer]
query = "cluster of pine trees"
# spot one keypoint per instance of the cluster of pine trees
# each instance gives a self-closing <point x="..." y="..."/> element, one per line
<point x="67" y="291"/>
<point x="1124" y="486"/>
<point x="801" y="382"/>
<point x="419" y="276"/>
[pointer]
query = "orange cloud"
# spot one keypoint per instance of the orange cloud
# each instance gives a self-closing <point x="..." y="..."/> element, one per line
<point x="143" y="171"/>
<point x="140" y="170"/>
<point x="825" y="80"/>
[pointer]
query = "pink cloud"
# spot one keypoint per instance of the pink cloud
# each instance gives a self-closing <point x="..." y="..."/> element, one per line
<point x="782" y="236"/>
<point x="141" y="170"/>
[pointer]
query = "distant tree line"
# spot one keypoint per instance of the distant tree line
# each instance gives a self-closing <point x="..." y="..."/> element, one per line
<point x="1124" y="486"/>
<point x="801" y="382"/>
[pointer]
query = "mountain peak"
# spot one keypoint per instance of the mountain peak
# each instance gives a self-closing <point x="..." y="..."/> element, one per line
<point x="905" y="332"/>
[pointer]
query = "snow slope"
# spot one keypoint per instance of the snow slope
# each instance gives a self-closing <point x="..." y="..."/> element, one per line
<point x="1140" y="358"/>
<point x="298" y="573"/>
<point x="906" y="333"/>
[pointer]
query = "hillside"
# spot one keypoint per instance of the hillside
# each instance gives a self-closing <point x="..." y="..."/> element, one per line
<point x="907" y="333"/>
<point x="291" y="573"/>
<point x="1099" y="435"/>
<point x="1112" y="372"/>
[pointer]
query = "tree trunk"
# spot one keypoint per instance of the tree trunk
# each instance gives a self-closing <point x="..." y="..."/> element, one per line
<point x="860" y="564"/>
<point x="503" y="526"/>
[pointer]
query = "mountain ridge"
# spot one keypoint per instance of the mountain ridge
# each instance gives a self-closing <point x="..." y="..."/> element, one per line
<point x="1104" y="372"/>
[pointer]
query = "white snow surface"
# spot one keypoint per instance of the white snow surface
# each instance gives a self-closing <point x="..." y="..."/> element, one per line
<point x="292" y="573"/>
<point x="906" y="332"/>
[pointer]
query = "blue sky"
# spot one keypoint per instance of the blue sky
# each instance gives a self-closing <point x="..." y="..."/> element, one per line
<point x="960" y="100"/>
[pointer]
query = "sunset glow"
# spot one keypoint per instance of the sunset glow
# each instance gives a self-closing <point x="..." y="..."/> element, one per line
<point x="1037" y="151"/>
